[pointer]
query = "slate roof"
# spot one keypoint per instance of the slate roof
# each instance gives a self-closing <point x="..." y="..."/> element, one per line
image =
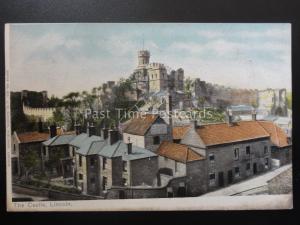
<point x="278" y="136"/>
<point x="77" y="141"/>
<point x="63" y="139"/>
<point x="180" y="131"/>
<point x="85" y="145"/>
<point x="120" y="149"/>
<point x="29" y="137"/>
<point x="179" y="152"/>
<point x="140" y="125"/>
<point x="222" y="133"/>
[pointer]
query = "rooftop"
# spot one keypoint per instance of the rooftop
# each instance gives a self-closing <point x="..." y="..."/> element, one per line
<point x="34" y="136"/>
<point x="120" y="149"/>
<point x="222" y="133"/>
<point x="180" y="131"/>
<point x="278" y="136"/>
<point x="140" y="125"/>
<point x="63" y="139"/>
<point x="178" y="152"/>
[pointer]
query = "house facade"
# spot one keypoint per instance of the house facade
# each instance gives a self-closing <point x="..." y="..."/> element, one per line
<point x="147" y="131"/>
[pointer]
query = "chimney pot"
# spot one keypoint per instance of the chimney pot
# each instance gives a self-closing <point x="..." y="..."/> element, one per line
<point x="113" y="136"/>
<point x="53" y="131"/>
<point x="129" y="148"/>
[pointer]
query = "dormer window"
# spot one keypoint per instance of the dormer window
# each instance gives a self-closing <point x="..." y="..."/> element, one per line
<point x="156" y="140"/>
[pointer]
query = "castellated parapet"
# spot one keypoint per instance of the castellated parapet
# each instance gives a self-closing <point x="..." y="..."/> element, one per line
<point x="43" y="113"/>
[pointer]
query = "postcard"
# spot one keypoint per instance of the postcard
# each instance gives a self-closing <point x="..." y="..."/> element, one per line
<point x="148" y="116"/>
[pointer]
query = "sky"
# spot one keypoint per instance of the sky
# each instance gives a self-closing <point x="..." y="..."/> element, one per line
<point x="61" y="58"/>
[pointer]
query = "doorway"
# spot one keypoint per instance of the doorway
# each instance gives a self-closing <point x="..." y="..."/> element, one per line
<point x="254" y="168"/>
<point x="230" y="177"/>
<point x="221" y="179"/>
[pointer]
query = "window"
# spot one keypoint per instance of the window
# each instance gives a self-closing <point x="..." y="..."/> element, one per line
<point x="247" y="150"/>
<point x="124" y="182"/>
<point x="104" y="162"/>
<point x="156" y="140"/>
<point x="104" y="183"/>
<point x="265" y="149"/>
<point x="175" y="166"/>
<point x="125" y="166"/>
<point x="73" y="151"/>
<point x="248" y="166"/>
<point x="92" y="162"/>
<point x="266" y="163"/>
<point x="93" y="180"/>
<point x="14" y="148"/>
<point x="80" y="160"/>
<point x="80" y="176"/>
<point x="236" y="153"/>
<point x="236" y="171"/>
<point x="211" y="157"/>
<point x="212" y="178"/>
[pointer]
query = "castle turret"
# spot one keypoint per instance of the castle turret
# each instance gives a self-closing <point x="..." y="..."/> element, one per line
<point x="143" y="58"/>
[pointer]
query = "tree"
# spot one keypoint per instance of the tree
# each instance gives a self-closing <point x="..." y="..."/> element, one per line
<point x="30" y="160"/>
<point x="53" y="162"/>
<point x="71" y="103"/>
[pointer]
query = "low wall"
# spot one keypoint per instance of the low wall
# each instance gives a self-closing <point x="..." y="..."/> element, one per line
<point x="51" y="194"/>
<point x="146" y="192"/>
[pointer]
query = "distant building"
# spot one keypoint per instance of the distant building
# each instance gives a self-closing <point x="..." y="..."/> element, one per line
<point x="154" y="77"/>
<point x="272" y="102"/>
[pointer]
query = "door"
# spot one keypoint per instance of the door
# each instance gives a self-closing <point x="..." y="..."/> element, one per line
<point x="221" y="179"/>
<point x="230" y="177"/>
<point x="254" y="168"/>
<point x="121" y="194"/>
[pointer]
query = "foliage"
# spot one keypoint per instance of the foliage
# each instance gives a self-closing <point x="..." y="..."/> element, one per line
<point x="188" y="87"/>
<point x="289" y="99"/>
<point x="30" y="161"/>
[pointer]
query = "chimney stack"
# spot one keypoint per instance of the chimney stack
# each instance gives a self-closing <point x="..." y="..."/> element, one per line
<point x="91" y="130"/>
<point x="104" y="133"/>
<point x="40" y="126"/>
<point x="113" y="137"/>
<point x="195" y="123"/>
<point x="253" y="114"/>
<point x="53" y="131"/>
<point x="230" y="117"/>
<point x="77" y="129"/>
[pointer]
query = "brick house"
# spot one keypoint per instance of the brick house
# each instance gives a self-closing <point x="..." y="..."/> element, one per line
<point x="147" y="131"/>
<point x="281" y="146"/>
<point x="234" y="151"/>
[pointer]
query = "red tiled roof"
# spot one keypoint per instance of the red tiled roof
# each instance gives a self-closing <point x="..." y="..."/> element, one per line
<point x="34" y="136"/>
<point x="178" y="152"/>
<point x="278" y="137"/>
<point x="140" y="124"/>
<point x="222" y="133"/>
<point x="180" y="131"/>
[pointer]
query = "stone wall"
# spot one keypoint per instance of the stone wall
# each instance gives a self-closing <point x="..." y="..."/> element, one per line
<point x="143" y="171"/>
<point x="281" y="184"/>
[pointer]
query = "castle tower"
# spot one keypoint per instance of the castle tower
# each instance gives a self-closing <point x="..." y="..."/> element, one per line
<point x="143" y="58"/>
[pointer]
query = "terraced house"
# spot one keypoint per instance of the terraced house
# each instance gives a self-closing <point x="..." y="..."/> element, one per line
<point x="234" y="151"/>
